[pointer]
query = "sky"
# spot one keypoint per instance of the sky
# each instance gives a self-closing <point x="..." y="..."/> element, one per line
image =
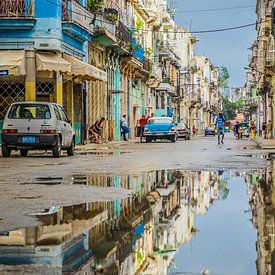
<point x="230" y="48"/>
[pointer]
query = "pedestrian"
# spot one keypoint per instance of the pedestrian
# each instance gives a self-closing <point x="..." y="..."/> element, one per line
<point x="269" y="128"/>
<point x="237" y="130"/>
<point x="220" y="125"/>
<point x="142" y="123"/>
<point x="264" y="129"/>
<point x="253" y="130"/>
<point x="194" y="130"/>
<point x="152" y="115"/>
<point x="124" y="127"/>
<point x="96" y="131"/>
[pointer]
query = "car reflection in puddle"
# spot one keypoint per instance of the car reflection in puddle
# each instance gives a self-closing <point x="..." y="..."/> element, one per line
<point x="165" y="226"/>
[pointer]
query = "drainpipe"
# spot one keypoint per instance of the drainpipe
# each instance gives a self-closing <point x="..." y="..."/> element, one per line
<point x="85" y="90"/>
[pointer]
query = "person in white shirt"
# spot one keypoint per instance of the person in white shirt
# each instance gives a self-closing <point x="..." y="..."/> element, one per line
<point x="124" y="127"/>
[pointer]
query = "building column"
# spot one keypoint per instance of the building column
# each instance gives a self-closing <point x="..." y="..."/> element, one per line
<point x="59" y="88"/>
<point x="30" y="84"/>
<point x="70" y="101"/>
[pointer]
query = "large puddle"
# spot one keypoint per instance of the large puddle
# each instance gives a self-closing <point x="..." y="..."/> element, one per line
<point x="174" y="222"/>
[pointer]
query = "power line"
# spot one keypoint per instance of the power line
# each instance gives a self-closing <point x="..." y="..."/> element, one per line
<point x="164" y="31"/>
<point x="215" y="9"/>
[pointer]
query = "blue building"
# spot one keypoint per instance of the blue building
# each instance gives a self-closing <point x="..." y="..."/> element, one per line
<point x="44" y="54"/>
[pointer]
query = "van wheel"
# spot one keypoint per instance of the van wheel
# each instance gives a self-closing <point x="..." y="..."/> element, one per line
<point x="57" y="149"/>
<point x="6" y="151"/>
<point x="70" y="151"/>
<point x="23" y="152"/>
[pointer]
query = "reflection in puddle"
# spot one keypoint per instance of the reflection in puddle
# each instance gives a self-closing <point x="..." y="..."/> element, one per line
<point x="143" y="233"/>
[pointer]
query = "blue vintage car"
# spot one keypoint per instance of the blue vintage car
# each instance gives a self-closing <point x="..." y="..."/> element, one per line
<point x="160" y="128"/>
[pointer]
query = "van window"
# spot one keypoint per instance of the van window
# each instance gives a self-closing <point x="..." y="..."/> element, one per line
<point x="63" y="115"/>
<point x="29" y="111"/>
<point x="57" y="114"/>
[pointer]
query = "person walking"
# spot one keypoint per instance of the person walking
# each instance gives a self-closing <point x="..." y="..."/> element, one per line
<point x="220" y="124"/>
<point x="142" y="123"/>
<point x="264" y="129"/>
<point x="253" y="130"/>
<point x="269" y="128"/>
<point x="124" y="127"/>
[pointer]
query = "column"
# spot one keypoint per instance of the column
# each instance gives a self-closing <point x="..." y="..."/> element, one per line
<point x="70" y="100"/>
<point x="58" y="88"/>
<point x="30" y="84"/>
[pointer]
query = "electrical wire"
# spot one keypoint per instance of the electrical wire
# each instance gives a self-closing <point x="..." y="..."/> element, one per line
<point x="164" y="31"/>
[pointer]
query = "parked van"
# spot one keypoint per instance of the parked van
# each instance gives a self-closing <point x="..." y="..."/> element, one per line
<point x="37" y="126"/>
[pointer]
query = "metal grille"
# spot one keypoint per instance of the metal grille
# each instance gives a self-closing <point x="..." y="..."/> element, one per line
<point x="10" y="91"/>
<point x="13" y="8"/>
<point x="45" y="88"/>
<point x="96" y="103"/>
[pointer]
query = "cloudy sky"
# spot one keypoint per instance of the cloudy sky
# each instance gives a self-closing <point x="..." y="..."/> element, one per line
<point x="229" y="49"/>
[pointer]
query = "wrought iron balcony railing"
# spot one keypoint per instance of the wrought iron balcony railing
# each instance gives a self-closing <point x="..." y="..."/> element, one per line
<point x="16" y="8"/>
<point x="77" y="14"/>
<point x="124" y="36"/>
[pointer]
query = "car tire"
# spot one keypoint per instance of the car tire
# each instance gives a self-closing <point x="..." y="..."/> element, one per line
<point x="173" y="138"/>
<point x="23" y="152"/>
<point x="148" y="139"/>
<point x="70" y="150"/>
<point x="6" y="151"/>
<point x="57" y="148"/>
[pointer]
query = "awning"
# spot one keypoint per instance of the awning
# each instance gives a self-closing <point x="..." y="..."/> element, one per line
<point x="52" y="62"/>
<point x="165" y="87"/>
<point x="84" y="70"/>
<point x="12" y="63"/>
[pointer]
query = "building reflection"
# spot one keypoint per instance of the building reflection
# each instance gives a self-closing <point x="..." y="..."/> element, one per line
<point x="138" y="234"/>
<point x="261" y="191"/>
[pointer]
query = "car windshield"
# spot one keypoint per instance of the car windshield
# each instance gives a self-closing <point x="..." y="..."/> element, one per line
<point x="29" y="111"/>
<point x="159" y="121"/>
<point x="211" y="128"/>
<point x="181" y="125"/>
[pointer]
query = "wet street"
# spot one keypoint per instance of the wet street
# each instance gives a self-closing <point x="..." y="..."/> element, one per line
<point x="192" y="207"/>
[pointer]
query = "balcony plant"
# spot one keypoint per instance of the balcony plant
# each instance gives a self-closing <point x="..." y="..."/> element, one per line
<point x="95" y="5"/>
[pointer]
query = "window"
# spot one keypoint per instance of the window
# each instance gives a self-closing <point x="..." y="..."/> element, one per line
<point x="57" y="114"/>
<point x="160" y="121"/>
<point x="62" y="112"/>
<point x="30" y="111"/>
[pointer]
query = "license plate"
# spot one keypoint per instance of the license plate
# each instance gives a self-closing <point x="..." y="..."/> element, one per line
<point x="28" y="139"/>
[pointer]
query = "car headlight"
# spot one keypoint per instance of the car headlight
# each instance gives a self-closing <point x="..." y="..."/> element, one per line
<point x="173" y="129"/>
<point x="146" y="129"/>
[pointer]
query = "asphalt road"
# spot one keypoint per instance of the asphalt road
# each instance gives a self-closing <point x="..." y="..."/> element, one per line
<point x="21" y="195"/>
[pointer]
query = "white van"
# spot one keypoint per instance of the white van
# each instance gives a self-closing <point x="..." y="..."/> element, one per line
<point x="37" y="126"/>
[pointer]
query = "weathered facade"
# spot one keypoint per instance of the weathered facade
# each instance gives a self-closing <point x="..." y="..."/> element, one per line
<point x="119" y="58"/>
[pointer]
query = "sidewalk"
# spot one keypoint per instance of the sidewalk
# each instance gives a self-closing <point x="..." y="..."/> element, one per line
<point x="105" y="146"/>
<point x="265" y="144"/>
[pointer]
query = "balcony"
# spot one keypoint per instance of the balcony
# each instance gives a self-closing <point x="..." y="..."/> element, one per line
<point x="77" y="20"/>
<point x="137" y="50"/>
<point x="104" y="30"/>
<point x="124" y="37"/>
<point x="16" y="14"/>
<point x="166" y="52"/>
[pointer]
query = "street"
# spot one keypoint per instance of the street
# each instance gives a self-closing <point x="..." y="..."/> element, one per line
<point x="20" y="183"/>
<point x="133" y="188"/>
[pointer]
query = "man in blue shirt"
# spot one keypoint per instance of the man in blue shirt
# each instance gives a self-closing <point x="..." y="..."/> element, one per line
<point x="220" y="125"/>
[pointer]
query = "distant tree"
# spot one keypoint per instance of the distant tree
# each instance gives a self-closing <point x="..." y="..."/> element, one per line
<point x="230" y="109"/>
<point x="223" y="78"/>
